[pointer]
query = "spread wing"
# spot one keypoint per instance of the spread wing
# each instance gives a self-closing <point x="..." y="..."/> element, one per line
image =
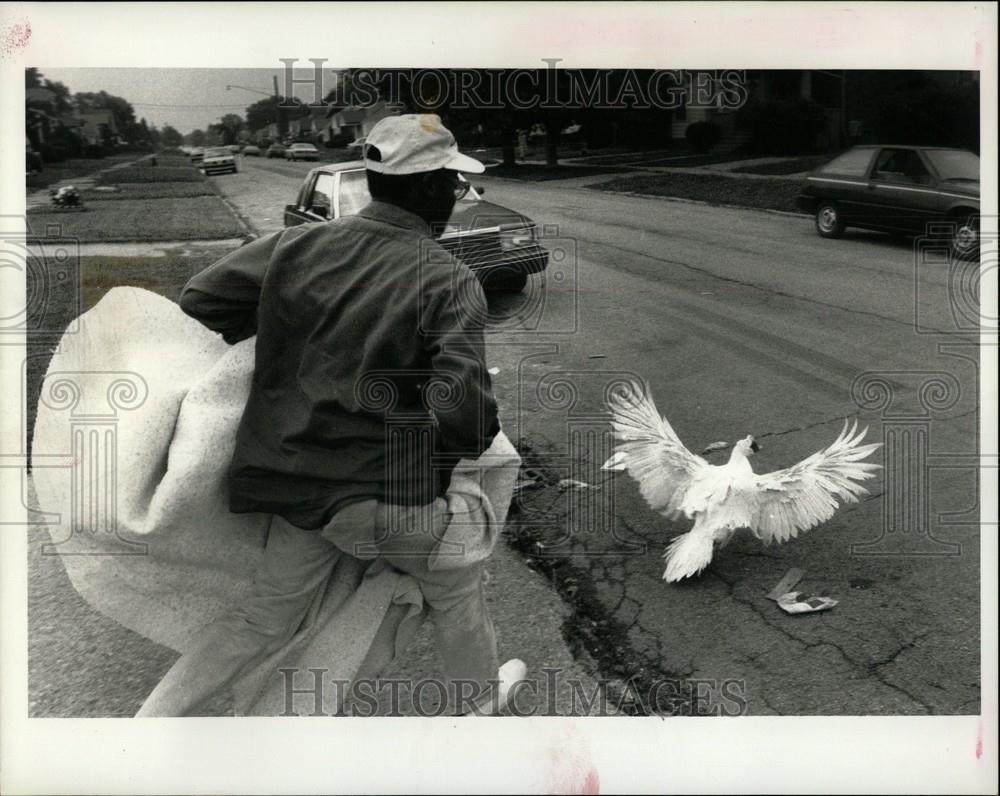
<point x="780" y="504"/>
<point x="650" y="450"/>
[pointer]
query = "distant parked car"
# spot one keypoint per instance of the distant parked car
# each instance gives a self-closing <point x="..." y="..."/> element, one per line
<point x="219" y="160"/>
<point x="196" y="154"/>
<point x="899" y="189"/>
<point x="234" y="148"/>
<point x="302" y="152"/>
<point x="499" y="245"/>
<point x="357" y="145"/>
<point x="275" y="151"/>
<point x="251" y="151"/>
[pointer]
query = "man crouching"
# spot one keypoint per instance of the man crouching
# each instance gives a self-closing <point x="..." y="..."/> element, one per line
<point x="341" y="439"/>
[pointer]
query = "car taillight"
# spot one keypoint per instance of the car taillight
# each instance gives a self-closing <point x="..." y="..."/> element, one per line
<point x="517" y="238"/>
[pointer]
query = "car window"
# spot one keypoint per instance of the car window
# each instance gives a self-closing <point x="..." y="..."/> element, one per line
<point x="954" y="164"/>
<point x="216" y="152"/>
<point x="851" y="164"/>
<point x="319" y="201"/>
<point x="353" y="192"/>
<point x="900" y="165"/>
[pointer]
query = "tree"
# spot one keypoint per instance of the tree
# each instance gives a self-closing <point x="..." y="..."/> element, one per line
<point x="197" y="138"/>
<point x="272" y="110"/>
<point x="227" y="128"/>
<point x="170" y="137"/>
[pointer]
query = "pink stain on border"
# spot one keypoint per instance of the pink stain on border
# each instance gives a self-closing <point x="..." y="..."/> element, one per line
<point x="15" y="37"/>
<point x="979" y="741"/>
<point x="568" y="776"/>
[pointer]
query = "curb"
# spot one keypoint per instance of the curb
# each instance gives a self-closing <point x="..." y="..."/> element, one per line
<point x="787" y="213"/>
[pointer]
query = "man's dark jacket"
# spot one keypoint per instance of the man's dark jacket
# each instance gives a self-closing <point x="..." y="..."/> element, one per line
<point x="370" y="378"/>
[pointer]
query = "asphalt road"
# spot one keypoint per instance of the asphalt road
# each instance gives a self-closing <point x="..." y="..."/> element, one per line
<point x="742" y="322"/>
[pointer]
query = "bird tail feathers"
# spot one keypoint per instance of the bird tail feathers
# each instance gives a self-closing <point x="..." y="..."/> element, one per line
<point x="687" y="555"/>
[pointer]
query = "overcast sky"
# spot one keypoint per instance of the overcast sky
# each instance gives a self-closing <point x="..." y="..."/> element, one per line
<point x="186" y="99"/>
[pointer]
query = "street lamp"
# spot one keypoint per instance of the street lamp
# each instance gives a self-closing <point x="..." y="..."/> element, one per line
<point x="254" y="90"/>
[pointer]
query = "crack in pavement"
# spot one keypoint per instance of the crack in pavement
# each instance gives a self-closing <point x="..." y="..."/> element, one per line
<point x="867" y="669"/>
<point x="592" y="631"/>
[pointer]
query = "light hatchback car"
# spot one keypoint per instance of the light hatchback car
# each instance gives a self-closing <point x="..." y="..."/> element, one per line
<point x="302" y="152"/>
<point x="219" y="160"/>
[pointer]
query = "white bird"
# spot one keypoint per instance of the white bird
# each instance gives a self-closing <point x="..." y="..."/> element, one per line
<point x="724" y="498"/>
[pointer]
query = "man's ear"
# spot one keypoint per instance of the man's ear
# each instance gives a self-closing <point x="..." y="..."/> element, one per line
<point x="428" y="182"/>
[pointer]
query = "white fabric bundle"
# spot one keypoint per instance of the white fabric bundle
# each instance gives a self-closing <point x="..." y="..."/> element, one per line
<point x="144" y="402"/>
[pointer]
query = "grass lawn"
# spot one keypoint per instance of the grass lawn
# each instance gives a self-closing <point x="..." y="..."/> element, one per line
<point x="180" y="173"/>
<point x="790" y="166"/>
<point x="73" y="168"/>
<point x="771" y="194"/>
<point x="149" y="190"/>
<point x="192" y="218"/>
<point x="78" y="284"/>
<point x="536" y="173"/>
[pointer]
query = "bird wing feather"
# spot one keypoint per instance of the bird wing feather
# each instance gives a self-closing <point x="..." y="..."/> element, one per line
<point x="777" y="505"/>
<point x="650" y="450"/>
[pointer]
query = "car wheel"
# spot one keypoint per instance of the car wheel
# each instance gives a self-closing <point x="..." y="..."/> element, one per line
<point x="964" y="242"/>
<point x="829" y="224"/>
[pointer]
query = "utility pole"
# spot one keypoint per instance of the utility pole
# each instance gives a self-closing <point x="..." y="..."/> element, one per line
<point x="282" y="111"/>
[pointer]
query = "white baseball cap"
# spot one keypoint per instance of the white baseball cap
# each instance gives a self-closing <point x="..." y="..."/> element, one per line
<point x="414" y="143"/>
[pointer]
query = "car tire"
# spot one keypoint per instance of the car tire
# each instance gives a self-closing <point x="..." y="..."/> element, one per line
<point x="964" y="240"/>
<point x="829" y="223"/>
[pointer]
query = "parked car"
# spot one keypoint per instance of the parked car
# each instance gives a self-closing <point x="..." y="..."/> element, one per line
<point x="302" y="152"/>
<point x="499" y="245"/>
<point x="900" y="189"/>
<point x="196" y="154"/>
<point x="357" y="145"/>
<point x="219" y="160"/>
<point x="234" y="148"/>
<point x="251" y="151"/>
<point x="275" y="151"/>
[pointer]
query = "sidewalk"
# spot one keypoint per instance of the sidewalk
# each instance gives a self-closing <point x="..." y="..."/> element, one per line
<point x="40" y="197"/>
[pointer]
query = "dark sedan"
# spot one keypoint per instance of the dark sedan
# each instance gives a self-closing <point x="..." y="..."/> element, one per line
<point x="898" y="189"/>
<point x="499" y="245"/>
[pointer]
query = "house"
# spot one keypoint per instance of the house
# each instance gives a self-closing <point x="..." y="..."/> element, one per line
<point x="46" y="126"/>
<point x="99" y="126"/>
<point x="357" y="121"/>
<point x="314" y="124"/>
<point x="822" y="86"/>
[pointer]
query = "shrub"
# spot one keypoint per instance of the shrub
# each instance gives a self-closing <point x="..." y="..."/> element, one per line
<point x="340" y="140"/>
<point x="703" y="136"/>
<point x="51" y="153"/>
<point x="783" y="127"/>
